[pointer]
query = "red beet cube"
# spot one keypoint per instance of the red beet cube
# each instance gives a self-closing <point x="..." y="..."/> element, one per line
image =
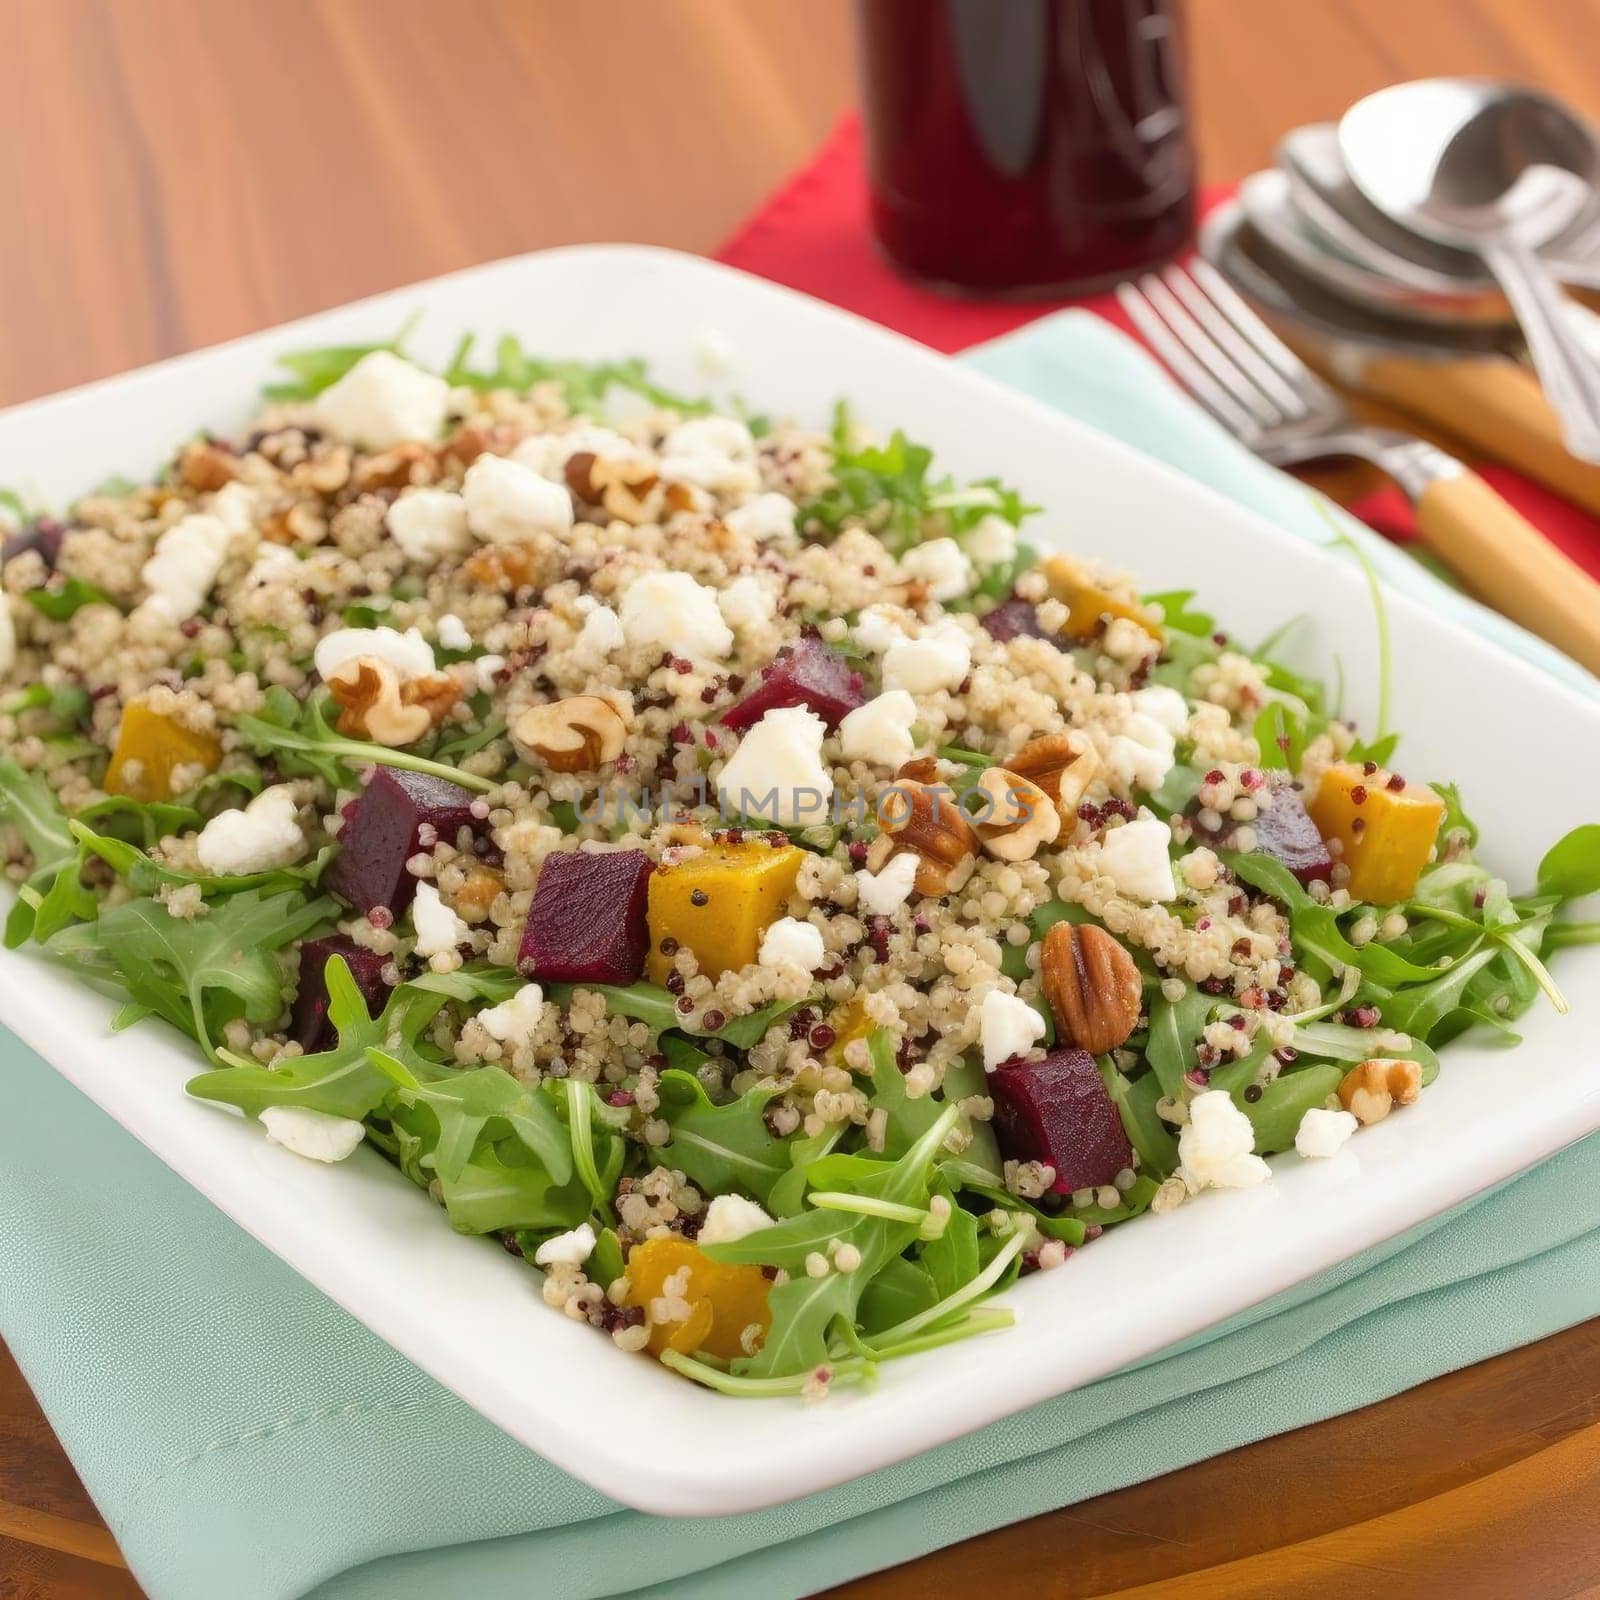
<point x="808" y="673"/>
<point x="1285" y="832"/>
<point x="1057" y="1110"/>
<point x="383" y="832"/>
<point x="587" y="921"/>
<point x="1013" y="618"/>
<point x="310" y="1024"/>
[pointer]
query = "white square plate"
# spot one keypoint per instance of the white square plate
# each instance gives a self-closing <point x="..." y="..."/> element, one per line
<point x="1526" y="751"/>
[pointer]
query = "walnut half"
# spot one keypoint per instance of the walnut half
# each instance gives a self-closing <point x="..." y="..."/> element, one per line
<point x="375" y="704"/>
<point x="1021" y="819"/>
<point x="925" y="818"/>
<point x="1092" y="985"/>
<point x="1371" y="1089"/>
<point x="1060" y="768"/>
<point x="578" y="734"/>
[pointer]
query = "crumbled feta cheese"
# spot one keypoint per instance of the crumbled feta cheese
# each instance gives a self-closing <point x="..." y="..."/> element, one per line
<point x="184" y="565"/>
<point x="730" y="1217"/>
<point x="312" y="1134"/>
<point x="513" y="1021"/>
<point x="508" y="503"/>
<point x="1323" y="1133"/>
<point x="763" y="516"/>
<point x="235" y="504"/>
<point x="939" y="659"/>
<point x="273" y="561"/>
<point x="747" y="603"/>
<point x="1162" y="705"/>
<point x="548" y="453"/>
<point x="881" y="894"/>
<point x="789" y="942"/>
<point x="1141" y="756"/>
<point x="1135" y="856"/>
<point x="1215" y="1145"/>
<point x="877" y="628"/>
<point x="777" y="774"/>
<point x="429" y="525"/>
<point x="600" y="634"/>
<point x="1008" y="1027"/>
<point x="671" y="610"/>
<point x="880" y="731"/>
<point x="408" y="653"/>
<point x="942" y="565"/>
<point x="452" y="632"/>
<point x="993" y="542"/>
<point x="715" y="354"/>
<point x="569" y="1249"/>
<point x="264" y="835"/>
<point x="489" y="668"/>
<point x="439" y="930"/>
<point x="8" y="635"/>
<point x="715" y="453"/>
<point x="382" y="401"/>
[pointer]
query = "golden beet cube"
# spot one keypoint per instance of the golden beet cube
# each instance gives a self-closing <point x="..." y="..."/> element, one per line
<point x="151" y="746"/>
<point x="694" y="1303"/>
<point x="1089" y="605"/>
<point x="718" y="904"/>
<point x="1385" y="826"/>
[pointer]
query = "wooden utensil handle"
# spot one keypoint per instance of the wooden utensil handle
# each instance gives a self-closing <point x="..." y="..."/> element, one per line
<point x="1511" y="564"/>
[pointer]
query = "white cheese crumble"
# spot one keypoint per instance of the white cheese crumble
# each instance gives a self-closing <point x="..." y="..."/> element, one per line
<point x="1323" y="1133"/>
<point x="1135" y="857"/>
<point x="877" y="628"/>
<point x="747" y="603"/>
<point x="313" y="1134"/>
<point x="940" y="659"/>
<point x="452" y="632"/>
<point x="429" y="525"/>
<point x="714" y="453"/>
<point x="382" y="401"/>
<point x="509" y="503"/>
<point x="942" y="565"/>
<point x="513" y="1021"/>
<point x="1163" y="705"/>
<point x="184" y="565"/>
<point x="408" y="653"/>
<point x="273" y="561"/>
<point x="993" y="542"/>
<point x="1215" y="1146"/>
<point x="439" y="930"/>
<point x="1008" y="1027"/>
<point x="489" y="669"/>
<point x="1141" y="756"/>
<point x="264" y="835"/>
<point x="881" y="894"/>
<point x="672" y="611"/>
<point x="730" y="1217"/>
<point x="235" y="504"/>
<point x="880" y="731"/>
<point x="789" y="942"/>
<point x="570" y="1249"/>
<point x="600" y="634"/>
<point x="777" y="774"/>
<point x="763" y="516"/>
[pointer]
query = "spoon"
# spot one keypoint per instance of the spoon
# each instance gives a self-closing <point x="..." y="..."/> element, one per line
<point x="1497" y="171"/>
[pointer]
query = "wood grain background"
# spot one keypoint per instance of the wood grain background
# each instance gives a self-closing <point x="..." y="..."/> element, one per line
<point x="175" y="172"/>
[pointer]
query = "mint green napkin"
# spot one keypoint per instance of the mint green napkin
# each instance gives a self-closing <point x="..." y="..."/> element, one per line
<point x="243" y="1436"/>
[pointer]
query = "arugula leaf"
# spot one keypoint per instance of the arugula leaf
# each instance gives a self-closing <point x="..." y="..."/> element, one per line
<point x="64" y="596"/>
<point x="320" y="367"/>
<point x="342" y="1081"/>
<point x="1571" y="867"/>
<point x="651" y="1004"/>
<point x="724" y="1149"/>
<point x="144" y="875"/>
<point x="583" y="384"/>
<point x="1175" y="1030"/>
<point x="1179" y="616"/>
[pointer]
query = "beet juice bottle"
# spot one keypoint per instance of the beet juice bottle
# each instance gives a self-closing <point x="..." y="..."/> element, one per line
<point x="1025" y="146"/>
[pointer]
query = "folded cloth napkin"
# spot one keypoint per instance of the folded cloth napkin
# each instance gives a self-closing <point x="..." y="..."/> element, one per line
<point x="244" y="1436"/>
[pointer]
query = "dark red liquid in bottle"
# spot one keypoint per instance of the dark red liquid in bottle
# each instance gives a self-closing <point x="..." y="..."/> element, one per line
<point x="1025" y="146"/>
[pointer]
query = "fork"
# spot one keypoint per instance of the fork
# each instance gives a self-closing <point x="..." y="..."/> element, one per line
<point x="1270" y="400"/>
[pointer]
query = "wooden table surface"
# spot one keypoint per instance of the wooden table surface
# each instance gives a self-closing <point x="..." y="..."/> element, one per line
<point x="173" y="173"/>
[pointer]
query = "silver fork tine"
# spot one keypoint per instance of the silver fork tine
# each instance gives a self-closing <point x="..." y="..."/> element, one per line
<point x="1210" y="355"/>
<point x="1194" y="377"/>
<point x="1228" y="300"/>
<point x="1239" y="342"/>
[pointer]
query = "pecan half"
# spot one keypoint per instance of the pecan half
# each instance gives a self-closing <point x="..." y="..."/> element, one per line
<point x="1371" y="1089"/>
<point x="1021" y="818"/>
<point x="578" y="734"/>
<point x="1092" y="985"/>
<point x="925" y="818"/>
<point x="1060" y="768"/>
<point x="375" y="704"/>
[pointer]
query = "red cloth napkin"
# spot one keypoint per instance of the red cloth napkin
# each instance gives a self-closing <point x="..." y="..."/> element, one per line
<point x="814" y="235"/>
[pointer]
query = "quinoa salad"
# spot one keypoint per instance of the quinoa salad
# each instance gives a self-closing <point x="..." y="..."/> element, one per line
<point x="727" y="863"/>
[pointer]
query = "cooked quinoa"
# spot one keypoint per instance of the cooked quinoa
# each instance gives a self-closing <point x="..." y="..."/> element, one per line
<point x="964" y="810"/>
